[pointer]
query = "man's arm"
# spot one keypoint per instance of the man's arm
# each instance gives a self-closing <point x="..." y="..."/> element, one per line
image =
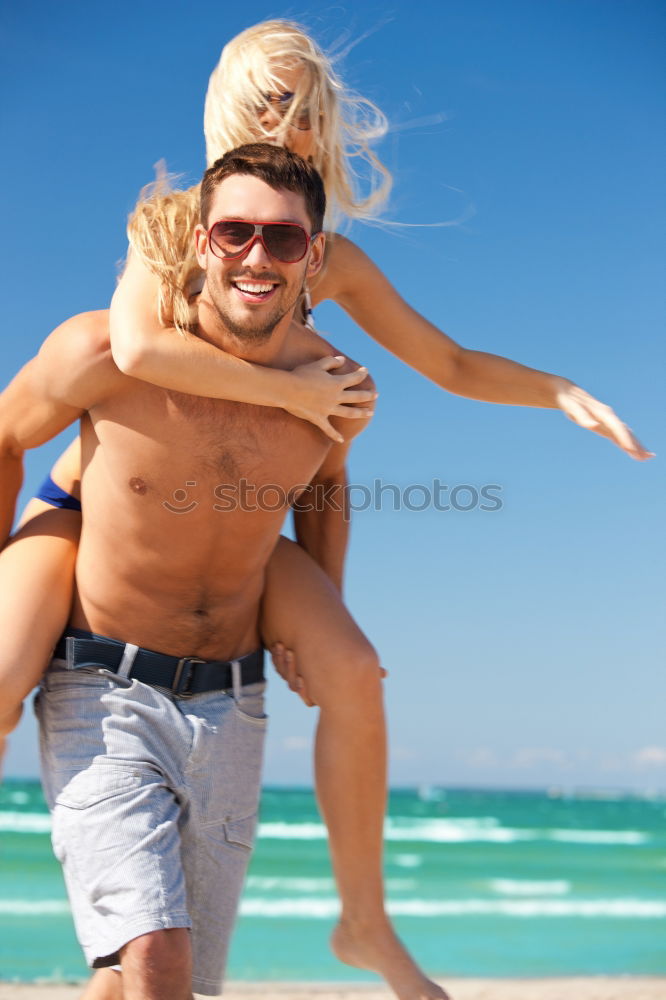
<point x="27" y="419"/>
<point x="72" y="371"/>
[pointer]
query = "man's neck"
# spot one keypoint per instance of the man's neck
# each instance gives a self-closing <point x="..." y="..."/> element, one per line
<point x="266" y="352"/>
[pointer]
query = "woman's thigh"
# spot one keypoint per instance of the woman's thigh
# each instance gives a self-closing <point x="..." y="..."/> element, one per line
<point x="303" y="610"/>
<point x="36" y="584"/>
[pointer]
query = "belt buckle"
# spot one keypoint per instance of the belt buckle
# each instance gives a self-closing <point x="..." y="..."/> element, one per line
<point x="181" y="687"/>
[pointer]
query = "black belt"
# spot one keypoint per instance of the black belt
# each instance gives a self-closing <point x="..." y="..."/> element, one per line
<point x="185" y="676"/>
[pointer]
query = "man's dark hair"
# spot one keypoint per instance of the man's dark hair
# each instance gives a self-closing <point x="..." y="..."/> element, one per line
<point x="277" y="167"/>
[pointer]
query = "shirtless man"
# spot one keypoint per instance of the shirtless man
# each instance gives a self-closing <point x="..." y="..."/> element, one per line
<point x="154" y="791"/>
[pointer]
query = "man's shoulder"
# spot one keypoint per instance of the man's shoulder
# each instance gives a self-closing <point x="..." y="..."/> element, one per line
<point x="322" y="348"/>
<point x="325" y="349"/>
<point x="75" y="361"/>
<point x="86" y="334"/>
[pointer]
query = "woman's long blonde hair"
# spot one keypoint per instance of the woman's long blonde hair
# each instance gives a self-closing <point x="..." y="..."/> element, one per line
<point x="161" y="229"/>
<point x="343" y="123"/>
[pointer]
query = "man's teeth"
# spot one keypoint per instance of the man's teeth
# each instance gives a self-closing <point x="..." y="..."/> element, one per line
<point x="246" y="286"/>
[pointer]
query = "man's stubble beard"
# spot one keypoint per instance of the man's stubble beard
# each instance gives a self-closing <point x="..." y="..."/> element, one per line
<point x="253" y="335"/>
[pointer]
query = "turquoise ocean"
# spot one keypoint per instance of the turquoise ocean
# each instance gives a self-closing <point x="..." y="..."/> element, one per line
<point x="482" y="883"/>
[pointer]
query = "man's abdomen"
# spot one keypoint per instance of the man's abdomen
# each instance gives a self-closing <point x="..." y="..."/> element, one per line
<point x="202" y="602"/>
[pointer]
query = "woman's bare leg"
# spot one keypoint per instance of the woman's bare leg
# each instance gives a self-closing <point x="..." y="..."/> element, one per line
<point x="36" y="581"/>
<point x="304" y="612"/>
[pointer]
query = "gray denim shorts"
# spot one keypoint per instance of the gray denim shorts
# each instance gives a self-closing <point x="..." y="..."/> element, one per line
<point x="154" y="803"/>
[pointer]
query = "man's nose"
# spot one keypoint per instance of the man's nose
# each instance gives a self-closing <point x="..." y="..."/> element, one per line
<point x="256" y="254"/>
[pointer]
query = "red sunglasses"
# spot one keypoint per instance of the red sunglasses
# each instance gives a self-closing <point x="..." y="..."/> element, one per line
<point x="285" y="241"/>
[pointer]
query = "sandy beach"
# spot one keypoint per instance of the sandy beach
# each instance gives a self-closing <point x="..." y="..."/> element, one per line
<point x="588" y="988"/>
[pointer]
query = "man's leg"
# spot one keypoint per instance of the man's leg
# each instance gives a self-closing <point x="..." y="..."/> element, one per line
<point x="303" y="610"/>
<point x="217" y="830"/>
<point x="154" y="966"/>
<point x="120" y="806"/>
<point x="158" y="965"/>
<point x="166" y="793"/>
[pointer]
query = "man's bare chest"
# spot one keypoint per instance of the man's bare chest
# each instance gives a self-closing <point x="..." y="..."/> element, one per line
<point x="164" y="439"/>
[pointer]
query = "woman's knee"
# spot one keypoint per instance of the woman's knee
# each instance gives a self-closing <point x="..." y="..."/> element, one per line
<point x="353" y="676"/>
<point x="13" y="689"/>
<point x="22" y="665"/>
<point x="10" y="716"/>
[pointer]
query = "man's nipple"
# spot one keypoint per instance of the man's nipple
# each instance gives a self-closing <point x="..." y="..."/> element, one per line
<point x="137" y="485"/>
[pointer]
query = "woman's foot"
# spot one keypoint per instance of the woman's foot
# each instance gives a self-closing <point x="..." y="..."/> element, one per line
<point x="378" y="949"/>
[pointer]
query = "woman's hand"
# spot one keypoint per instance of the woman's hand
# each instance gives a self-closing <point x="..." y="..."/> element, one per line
<point x="588" y="412"/>
<point x="317" y="394"/>
<point x="285" y="664"/>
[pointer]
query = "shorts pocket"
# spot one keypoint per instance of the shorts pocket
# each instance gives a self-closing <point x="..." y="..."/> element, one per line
<point x="241" y="832"/>
<point x="69" y="683"/>
<point x="250" y="705"/>
<point x="97" y="783"/>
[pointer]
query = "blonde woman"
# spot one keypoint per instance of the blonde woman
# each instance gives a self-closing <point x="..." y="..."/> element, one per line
<point x="274" y="82"/>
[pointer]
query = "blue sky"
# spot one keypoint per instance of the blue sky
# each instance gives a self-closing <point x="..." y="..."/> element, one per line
<point x="523" y="644"/>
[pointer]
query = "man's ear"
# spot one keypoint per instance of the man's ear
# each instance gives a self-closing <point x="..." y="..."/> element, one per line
<point x="316" y="258"/>
<point x="201" y="245"/>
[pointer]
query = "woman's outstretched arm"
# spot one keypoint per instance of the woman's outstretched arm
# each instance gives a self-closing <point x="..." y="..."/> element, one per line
<point x="145" y="349"/>
<point x="363" y="291"/>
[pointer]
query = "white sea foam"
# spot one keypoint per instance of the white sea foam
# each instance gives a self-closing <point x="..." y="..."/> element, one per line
<point x="525" y="887"/>
<point x="411" y="860"/>
<point x="613" y="908"/>
<point x="33" y="907"/>
<point x="270" y="882"/>
<point x="328" y="908"/>
<point x="627" y="838"/>
<point x="444" y="831"/>
<point x="292" y="831"/>
<point x="19" y="822"/>
<point x="460" y="831"/>
<point x="297" y="884"/>
<point x="453" y="831"/>
<point x="440" y="831"/>
<point x="400" y="884"/>
<point x="19" y="798"/>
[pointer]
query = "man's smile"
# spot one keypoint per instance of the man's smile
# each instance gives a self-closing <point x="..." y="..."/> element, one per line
<point x="255" y="289"/>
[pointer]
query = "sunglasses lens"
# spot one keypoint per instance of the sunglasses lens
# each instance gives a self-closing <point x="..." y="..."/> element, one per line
<point x="229" y="238"/>
<point x="285" y="242"/>
<point x="282" y="105"/>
